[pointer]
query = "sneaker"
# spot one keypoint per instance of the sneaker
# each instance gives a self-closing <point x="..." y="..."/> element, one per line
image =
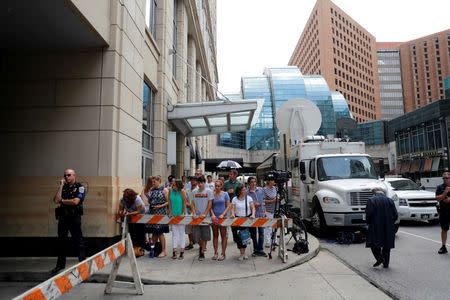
<point x="255" y="254"/>
<point x="240" y="258"/>
<point x="189" y="247"/>
<point x="378" y="262"/>
<point x="443" y="250"/>
<point x="261" y="253"/>
<point x="201" y="257"/>
<point x="245" y="257"/>
<point x="181" y="255"/>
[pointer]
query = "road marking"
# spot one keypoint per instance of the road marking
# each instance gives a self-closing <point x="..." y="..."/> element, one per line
<point x="421" y="237"/>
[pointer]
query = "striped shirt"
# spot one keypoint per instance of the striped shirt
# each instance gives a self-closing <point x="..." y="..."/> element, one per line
<point x="269" y="194"/>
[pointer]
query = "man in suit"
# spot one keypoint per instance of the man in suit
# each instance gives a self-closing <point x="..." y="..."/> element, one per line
<point x="381" y="215"/>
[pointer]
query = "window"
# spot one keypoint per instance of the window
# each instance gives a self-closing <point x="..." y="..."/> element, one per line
<point x="175" y="37"/>
<point x="150" y="16"/>
<point x="148" y="120"/>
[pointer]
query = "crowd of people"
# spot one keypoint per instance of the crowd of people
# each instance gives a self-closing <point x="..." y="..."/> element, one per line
<point x="200" y="196"/>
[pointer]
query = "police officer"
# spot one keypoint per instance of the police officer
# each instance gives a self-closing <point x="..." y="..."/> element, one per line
<point x="443" y="198"/>
<point x="70" y="196"/>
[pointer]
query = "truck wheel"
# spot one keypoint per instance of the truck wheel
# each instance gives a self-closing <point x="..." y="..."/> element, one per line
<point x="318" y="223"/>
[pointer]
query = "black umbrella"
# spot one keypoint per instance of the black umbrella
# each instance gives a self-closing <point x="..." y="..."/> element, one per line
<point x="229" y="164"/>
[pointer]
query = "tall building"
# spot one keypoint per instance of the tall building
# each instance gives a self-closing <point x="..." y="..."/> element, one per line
<point x="89" y="85"/>
<point x="390" y="78"/>
<point x="344" y="53"/>
<point x="447" y="88"/>
<point x="275" y="87"/>
<point x="425" y="65"/>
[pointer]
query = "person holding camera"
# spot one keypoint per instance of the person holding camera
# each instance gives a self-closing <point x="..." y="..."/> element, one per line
<point x="442" y="196"/>
<point x="69" y="196"/>
<point x="270" y="199"/>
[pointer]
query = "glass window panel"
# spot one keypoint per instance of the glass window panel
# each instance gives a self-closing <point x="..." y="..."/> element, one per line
<point x="197" y="122"/>
<point x="218" y="121"/>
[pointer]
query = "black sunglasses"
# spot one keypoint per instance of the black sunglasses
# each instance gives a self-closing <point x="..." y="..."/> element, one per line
<point x="67" y="175"/>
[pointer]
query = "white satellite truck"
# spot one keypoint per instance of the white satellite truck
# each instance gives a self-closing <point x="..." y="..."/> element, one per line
<point x="331" y="178"/>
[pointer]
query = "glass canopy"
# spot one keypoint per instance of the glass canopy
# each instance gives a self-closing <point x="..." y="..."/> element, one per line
<point x="214" y="117"/>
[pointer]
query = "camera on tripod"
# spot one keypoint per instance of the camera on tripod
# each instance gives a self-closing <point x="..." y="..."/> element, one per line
<point x="280" y="177"/>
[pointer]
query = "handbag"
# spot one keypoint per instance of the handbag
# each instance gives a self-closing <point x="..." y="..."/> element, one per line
<point x="244" y="234"/>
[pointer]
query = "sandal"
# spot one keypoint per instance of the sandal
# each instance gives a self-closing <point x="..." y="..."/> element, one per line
<point x="221" y="257"/>
<point x="215" y="256"/>
<point x="161" y="255"/>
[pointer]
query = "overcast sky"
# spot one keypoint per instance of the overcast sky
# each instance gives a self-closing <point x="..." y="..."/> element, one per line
<point x="254" y="34"/>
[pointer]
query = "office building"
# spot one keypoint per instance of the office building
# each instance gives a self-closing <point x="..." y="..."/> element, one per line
<point x="425" y="64"/>
<point x="390" y="78"/>
<point x="336" y="47"/>
<point x="99" y="86"/>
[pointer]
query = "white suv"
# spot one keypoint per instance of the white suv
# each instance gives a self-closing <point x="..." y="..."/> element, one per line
<point x="414" y="203"/>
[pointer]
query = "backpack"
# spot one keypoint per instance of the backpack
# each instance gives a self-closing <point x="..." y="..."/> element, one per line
<point x="301" y="246"/>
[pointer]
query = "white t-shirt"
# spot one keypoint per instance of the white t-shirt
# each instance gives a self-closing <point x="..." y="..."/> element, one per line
<point x="240" y="206"/>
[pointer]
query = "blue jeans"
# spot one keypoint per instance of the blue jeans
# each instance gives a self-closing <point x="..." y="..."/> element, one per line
<point x="257" y="235"/>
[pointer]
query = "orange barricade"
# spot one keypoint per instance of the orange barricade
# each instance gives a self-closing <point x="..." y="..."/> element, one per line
<point x="69" y="278"/>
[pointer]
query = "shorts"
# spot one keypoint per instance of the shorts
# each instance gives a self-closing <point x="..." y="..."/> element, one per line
<point x="444" y="218"/>
<point x="201" y="233"/>
<point x="188" y="229"/>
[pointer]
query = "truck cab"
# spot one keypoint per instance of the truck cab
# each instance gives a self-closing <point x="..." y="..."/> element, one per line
<point x="331" y="182"/>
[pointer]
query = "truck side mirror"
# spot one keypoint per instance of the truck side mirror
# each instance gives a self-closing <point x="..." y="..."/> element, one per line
<point x="381" y="166"/>
<point x="302" y="168"/>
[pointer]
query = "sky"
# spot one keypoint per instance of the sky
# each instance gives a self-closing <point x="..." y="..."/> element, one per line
<point x="254" y="34"/>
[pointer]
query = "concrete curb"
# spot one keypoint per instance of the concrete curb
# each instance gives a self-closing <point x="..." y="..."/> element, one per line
<point x="39" y="275"/>
<point x="313" y="251"/>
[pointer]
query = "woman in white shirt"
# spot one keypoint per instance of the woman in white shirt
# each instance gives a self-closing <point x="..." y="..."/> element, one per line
<point x="241" y="206"/>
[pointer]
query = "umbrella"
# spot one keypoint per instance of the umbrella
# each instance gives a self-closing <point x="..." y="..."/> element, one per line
<point x="229" y="164"/>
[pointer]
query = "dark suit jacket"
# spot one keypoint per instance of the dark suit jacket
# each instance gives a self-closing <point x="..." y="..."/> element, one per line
<point x="381" y="215"/>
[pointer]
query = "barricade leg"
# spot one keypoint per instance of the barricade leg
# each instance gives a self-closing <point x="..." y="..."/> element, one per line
<point x="137" y="283"/>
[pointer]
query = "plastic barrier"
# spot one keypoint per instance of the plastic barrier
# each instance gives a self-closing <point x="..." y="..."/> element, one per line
<point x="281" y="223"/>
<point x="69" y="278"/>
<point x="190" y="220"/>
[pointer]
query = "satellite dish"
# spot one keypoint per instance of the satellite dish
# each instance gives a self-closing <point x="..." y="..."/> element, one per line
<point x="300" y="118"/>
<point x="344" y="126"/>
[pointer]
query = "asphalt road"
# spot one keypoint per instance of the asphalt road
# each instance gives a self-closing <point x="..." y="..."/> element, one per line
<point x="416" y="270"/>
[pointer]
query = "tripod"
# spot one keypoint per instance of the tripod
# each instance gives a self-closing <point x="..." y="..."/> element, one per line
<point x="285" y="209"/>
<point x="281" y="195"/>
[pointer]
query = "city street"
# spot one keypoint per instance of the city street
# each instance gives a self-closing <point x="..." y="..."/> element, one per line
<point x="416" y="270"/>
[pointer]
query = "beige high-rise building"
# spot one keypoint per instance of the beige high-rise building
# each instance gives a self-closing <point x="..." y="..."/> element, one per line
<point x="335" y="46"/>
<point x="425" y="63"/>
<point x="89" y="85"/>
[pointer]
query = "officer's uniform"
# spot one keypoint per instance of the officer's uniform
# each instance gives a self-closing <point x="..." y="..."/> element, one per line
<point x="70" y="220"/>
<point x="444" y="209"/>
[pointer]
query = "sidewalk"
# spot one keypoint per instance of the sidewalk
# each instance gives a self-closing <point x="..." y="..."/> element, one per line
<point x="316" y="275"/>
<point x="168" y="270"/>
<point x="323" y="277"/>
